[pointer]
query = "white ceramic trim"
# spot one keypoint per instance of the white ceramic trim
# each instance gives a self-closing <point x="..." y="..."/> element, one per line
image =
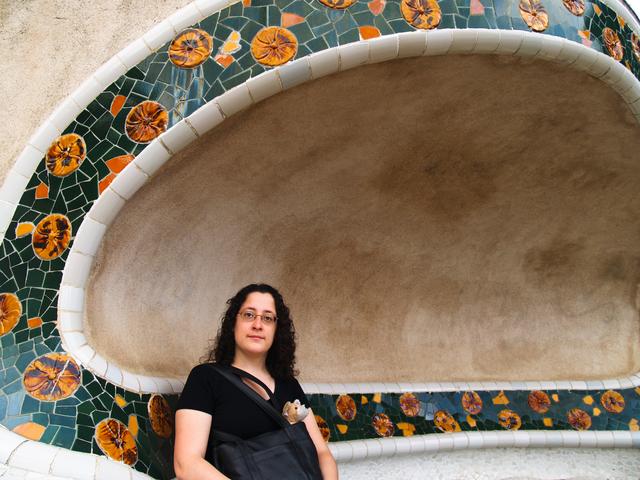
<point x="348" y="451"/>
<point x="68" y="463"/>
<point x="33" y="456"/>
<point x="294" y="73"/>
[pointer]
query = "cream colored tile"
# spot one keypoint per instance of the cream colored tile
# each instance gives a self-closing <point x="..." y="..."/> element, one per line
<point x="295" y="73"/>
<point x="353" y="55"/>
<point x="234" y="100"/>
<point x="89" y="236"/>
<point x="106" y="207"/>
<point x="412" y="44"/>
<point x="263" y="86"/>
<point x="178" y="136"/>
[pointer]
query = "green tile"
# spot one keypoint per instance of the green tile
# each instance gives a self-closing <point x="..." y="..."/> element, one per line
<point x="65" y="437"/>
<point x="81" y="446"/>
<point x="302" y="32"/>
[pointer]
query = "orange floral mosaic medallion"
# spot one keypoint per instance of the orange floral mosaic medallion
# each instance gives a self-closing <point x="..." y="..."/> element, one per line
<point x="612" y="401"/>
<point x="51" y="236"/>
<point x="160" y="416"/>
<point x="116" y="441"/>
<point x="422" y="14"/>
<point x="574" y="6"/>
<point x="346" y="407"/>
<point x="409" y="404"/>
<point x="338" y="4"/>
<point x="324" y="428"/>
<point x="52" y="377"/>
<point x="635" y="45"/>
<point x="472" y="403"/>
<point x="65" y="155"/>
<point x="445" y="422"/>
<point x="613" y="43"/>
<point x="539" y="401"/>
<point x="190" y="48"/>
<point x="146" y="121"/>
<point x="579" y="419"/>
<point x="10" y="312"/>
<point x="273" y="46"/>
<point x="509" y="419"/>
<point x="534" y="15"/>
<point x="383" y="425"/>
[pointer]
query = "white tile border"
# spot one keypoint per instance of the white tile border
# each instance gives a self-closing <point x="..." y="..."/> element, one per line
<point x="353" y="450"/>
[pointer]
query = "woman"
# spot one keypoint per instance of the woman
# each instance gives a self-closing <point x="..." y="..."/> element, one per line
<point x="257" y="336"/>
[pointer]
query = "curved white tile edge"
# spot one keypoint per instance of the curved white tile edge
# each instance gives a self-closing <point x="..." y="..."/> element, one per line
<point x="135" y="175"/>
<point x="354" y="450"/>
<point x="19" y="452"/>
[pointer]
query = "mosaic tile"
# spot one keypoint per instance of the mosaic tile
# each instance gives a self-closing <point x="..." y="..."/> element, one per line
<point x="65" y="185"/>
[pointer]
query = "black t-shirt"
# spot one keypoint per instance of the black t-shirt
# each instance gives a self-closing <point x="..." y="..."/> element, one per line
<point x="233" y="412"/>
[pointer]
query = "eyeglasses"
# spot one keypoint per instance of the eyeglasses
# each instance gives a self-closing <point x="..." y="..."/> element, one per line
<point x="268" y="318"/>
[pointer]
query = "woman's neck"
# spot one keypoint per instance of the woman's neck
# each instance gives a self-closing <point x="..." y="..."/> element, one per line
<point x="254" y="365"/>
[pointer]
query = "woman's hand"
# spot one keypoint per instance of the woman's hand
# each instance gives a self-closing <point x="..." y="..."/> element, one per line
<point x="192" y="435"/>
<point x="327" y="462"/>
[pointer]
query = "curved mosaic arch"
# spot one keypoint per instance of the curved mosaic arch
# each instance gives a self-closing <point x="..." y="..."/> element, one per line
<point x="129" y="392"/>
<point x="269" y="83"/>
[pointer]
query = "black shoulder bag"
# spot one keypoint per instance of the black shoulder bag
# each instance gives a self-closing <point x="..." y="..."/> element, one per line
<point x="288" y="453"/>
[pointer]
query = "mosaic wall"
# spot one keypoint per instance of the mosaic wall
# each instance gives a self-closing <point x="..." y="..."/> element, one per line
<point x="45" y="395"/>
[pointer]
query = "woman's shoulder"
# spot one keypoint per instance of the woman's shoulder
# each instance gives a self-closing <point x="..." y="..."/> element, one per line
<point x="204" y="371"/>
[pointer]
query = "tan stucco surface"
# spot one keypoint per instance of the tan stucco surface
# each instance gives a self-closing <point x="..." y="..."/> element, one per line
<point x="427" y="219"/>
<point x="50" y="47"/>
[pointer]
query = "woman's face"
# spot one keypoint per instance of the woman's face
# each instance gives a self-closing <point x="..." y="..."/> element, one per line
<point x="255" y="335"/>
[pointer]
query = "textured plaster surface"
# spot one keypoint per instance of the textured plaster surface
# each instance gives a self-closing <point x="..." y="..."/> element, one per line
<point x="422" y="223"/>
<point x="50" y="47"/>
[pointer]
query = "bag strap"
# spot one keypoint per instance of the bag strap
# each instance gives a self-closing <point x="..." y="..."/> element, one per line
<point x="267" y="406"/>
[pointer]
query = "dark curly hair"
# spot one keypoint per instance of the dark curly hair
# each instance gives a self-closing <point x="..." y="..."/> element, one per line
<point x="281" y="356"/>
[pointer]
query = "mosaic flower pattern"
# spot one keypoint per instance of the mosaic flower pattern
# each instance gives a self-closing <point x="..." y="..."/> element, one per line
<point x="635" y="46"/>
<point x="10" y="312"/>
<point x="116" y="441"/>
<point x="574" y="6"/>
<point x="471" y="402"/>
<point x="579" y="419"/>
<point x="146" y="121"/>
<point x="346" y="407"/>
<point x="52" y="377"/>
<point x="190" y="48"/>
<point x="422" y="14"/>
<point x="409" y="404"/>
<point x="613" y="43"/>
<point x="539" y="401"/>
<point x="66" y="154"/>
<point x="509" y="419"/>
<point x="338" y="4"/>
<point x="273" y="46"/>
<point x="51" y="236"/>
<point x="324" y="428"/>
<point x="161" y="416"/>
<point x="534" y="14"/>
<point x="383" y="425"/>
<point x="445" y="422"/>
<point x="612" y="401"/>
